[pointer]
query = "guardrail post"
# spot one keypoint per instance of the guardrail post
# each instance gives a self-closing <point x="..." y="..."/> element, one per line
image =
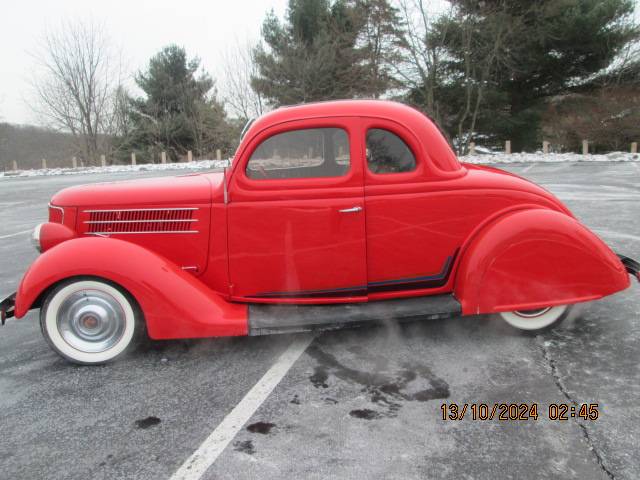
<point x="74" y="162"/>
<point x="189" y="156"/>
<point x="585" y="147"/>
<point x="44" y="163"/>
<point x="507" y="147"/>
<point x="103" y="160"/>
<point x="133" y="158"/>
<point x="634" y="147"/>
<point x="218" y="154"/>
<point x="472" y="148"/>
<point x="14" y="164"/>
<point x="545" y="147"/>
<point x="163" y="157"/>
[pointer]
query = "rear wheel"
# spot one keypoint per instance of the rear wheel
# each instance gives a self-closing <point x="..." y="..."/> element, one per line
<point x="536" y="320"/>
<point x="89" y="322"/>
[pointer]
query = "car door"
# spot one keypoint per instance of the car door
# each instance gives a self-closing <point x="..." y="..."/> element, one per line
<point x="295" y="215"/>
<point x="409" y="250"/>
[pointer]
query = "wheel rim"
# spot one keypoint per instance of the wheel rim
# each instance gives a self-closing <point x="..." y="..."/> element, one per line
<point x="532" y="313"/>
<point x="535" y="319"/>
<point x="91" y="321"/>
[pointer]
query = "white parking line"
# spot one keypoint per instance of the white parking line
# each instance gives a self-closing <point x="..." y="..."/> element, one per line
<point x="528" y="168"/>
<point x="198" y="463"/>
<point x="14" y="234"/>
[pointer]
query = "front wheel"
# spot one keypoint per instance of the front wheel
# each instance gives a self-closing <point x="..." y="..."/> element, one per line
<point x="89" y="322"/>
<point x="537" y="320"/>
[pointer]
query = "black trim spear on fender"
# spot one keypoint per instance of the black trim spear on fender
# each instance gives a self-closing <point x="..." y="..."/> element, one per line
<point x="631" y="265"/>
<point x="7" y="308"/>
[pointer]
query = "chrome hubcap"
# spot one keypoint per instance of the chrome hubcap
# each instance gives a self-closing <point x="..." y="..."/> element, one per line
<point x="91" y="321"/>
<point x="532" y="313"/>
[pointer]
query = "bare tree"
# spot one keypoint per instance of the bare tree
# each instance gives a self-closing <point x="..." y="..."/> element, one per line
<point x="79" y="81"/>
<point x="239" y="67"/>
<point x="422" y="70"/>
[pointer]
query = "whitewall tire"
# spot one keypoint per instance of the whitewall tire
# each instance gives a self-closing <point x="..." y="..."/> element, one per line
<point x="536" y="320"/>
<point x="89" y="322"/>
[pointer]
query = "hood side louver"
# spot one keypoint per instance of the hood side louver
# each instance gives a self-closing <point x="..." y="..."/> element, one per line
<point x="138" y="221"/>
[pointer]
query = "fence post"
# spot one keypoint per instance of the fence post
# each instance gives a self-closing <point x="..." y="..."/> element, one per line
<point x="189" y="156"/>
<point x="74" y="162"/>
<point x="472" y="148"/>
<point x="103" y="160"/>
<point x="14" y="164"/>
<point x="634" y="147"/>
<point x="163" y="157"/>
<point x="585" y="147"/>
<point x="133" y="158"/>
<point x="507" y="147"/>
<point x="218" y="154"/>
<point x="545" y="147"/>
<point x="44" y="163"/>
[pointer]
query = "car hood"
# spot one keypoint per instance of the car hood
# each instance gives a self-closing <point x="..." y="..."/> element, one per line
<point x="178" y="190"/>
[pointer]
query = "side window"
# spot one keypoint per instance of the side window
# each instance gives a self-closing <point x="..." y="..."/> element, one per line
<point x="387" y="153"/>
<point x="308" y="153"/>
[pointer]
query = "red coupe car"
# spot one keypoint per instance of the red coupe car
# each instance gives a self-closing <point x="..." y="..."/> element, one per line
<point x="331" y="214"/>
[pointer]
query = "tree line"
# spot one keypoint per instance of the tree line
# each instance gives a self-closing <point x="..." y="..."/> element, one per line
<point x="485" y="71"/>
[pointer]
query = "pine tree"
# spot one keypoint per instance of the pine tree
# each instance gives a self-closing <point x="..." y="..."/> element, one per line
<point x="325" y="50"/>
<point x="179" y="111"/>
<point x="547" y="47"/>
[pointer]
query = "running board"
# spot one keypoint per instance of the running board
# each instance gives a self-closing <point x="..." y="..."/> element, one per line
<point x="266" y="319"/>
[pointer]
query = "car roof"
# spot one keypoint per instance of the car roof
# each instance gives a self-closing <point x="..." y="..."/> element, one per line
<point x="415" y="121"/>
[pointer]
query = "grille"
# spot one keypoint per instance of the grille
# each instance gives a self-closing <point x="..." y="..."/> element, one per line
<point x="170" y="220"/>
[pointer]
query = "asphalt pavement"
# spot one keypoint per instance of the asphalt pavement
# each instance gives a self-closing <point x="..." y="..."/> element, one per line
<point x="362" y="403"/>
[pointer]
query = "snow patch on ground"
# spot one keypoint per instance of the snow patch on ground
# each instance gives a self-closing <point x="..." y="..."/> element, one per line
<point x="144" y="167"/>
<point x="550" y="158"/>
<point x="538" y="157"/>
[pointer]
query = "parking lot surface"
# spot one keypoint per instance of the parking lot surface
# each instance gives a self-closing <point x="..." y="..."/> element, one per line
<point x="362" y="403"/>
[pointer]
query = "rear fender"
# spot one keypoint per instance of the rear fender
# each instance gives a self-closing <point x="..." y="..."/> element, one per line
<point x="534" y="258"/>
<point x="175" y="303"/>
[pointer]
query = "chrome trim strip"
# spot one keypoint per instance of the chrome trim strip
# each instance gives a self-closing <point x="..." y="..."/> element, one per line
<point x="58" y="208"/>
<point x="138" y="221"/>
<point x="140" y="210"/>
<point x="140" y="233"/>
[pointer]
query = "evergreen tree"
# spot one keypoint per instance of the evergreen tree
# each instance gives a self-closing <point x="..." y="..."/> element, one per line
<point x="325" y="50"/>
<point x="546" y="48"/>
<point x="179" y="111"/>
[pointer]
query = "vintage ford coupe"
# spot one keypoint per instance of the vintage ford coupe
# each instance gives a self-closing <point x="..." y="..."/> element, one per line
<point x="330" y="214"/>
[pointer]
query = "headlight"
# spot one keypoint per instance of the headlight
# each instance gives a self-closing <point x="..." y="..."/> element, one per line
<point x="35" y="238"/>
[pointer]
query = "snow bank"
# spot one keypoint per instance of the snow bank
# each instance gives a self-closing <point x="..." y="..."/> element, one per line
<point x="211" y="164"/>
<point x="145" y="167"/>
<point x="551" y="157"/>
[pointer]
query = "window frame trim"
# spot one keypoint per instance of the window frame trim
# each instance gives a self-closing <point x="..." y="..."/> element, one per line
<point x="385" y="174"/>
<point x="269" y="137"/>
<point x="422" y="172"/>
<point x="353" y="177"/>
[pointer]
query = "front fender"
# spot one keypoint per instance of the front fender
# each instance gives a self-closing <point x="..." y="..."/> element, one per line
<point x="175" y="303"/>
<point x="534" y="258"/>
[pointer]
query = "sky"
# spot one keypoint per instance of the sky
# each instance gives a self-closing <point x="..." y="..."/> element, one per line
<point x="138" y="28"/>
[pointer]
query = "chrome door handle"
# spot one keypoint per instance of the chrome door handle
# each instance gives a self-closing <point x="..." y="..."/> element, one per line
<point x="351" y="210"/>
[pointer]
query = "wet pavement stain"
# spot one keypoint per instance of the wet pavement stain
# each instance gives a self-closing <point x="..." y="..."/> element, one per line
<point x="104" y="463"/>
<point x="319" y="377"/>
<point x="147" y="422"/>
<point x="388" y="390"/>
<point x="365" y="414"/>
<point x="261" y="427"/>
<point x="244" y="447"/>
